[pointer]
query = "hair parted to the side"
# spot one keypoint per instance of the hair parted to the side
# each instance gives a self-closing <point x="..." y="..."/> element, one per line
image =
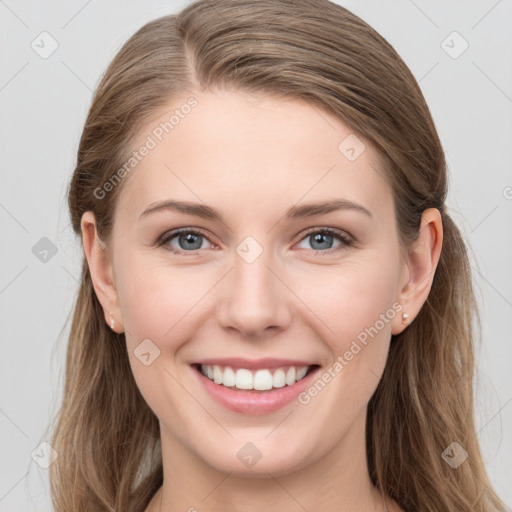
<point x="105" y="434"/>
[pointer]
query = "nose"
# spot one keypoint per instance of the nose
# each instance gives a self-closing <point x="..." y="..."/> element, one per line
<point x="254" y="298"/>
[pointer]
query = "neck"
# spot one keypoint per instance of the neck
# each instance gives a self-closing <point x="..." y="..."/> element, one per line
<point x="337" y="480"/>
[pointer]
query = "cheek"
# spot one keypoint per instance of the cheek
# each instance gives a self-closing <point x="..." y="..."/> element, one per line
<point x="356" y="303"/>
<point x="158" y="303"/>
<point x="157" y="298"/>
<point x="161" y="299"/>
<point x="353" y="298"/>
<point x="165" y="303"/>
<point x="360" y="311"/>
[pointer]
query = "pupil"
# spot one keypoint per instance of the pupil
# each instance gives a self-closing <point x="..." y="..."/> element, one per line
<point x="319" y="236"/>
<point x="190" y="239"/>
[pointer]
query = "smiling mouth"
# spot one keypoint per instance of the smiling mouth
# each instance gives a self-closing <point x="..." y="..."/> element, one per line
<point x="265" y="379"/>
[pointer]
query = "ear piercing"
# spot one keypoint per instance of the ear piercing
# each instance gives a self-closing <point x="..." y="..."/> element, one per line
<point x="112" y="324"/>
<point x="405" y="316"/>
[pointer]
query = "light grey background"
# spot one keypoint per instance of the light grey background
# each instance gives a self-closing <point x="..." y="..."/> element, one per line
<point x="43" y="106"/>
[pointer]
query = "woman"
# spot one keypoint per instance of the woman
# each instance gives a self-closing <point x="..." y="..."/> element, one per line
<point x="312" y="349"/>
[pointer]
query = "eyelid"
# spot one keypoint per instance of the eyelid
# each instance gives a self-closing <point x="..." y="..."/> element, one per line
<point x="325" y="229"/>
<point x="169" y="235"/>
<point x="346" y="239"/>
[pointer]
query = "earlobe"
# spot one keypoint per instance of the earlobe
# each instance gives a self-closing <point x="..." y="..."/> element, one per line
<point x="422" y="259"/>
<point x="100" y="268"/>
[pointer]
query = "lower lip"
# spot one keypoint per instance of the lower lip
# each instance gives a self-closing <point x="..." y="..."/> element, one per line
<point x="253" y="403"/>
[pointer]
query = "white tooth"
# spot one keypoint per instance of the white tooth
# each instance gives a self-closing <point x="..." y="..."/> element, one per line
<point x="243" y="379"/>
<point x="229" y="377"/>
<point x="278" y="379"/>
<point x="301" y="372"/>
<point x="217" y="374"/>
<point x="290" y="376"/>
<point x="209" y="371"/>
<point x="262" y="380"/>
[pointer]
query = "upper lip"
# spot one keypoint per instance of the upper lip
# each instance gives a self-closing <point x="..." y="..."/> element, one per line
<point x="266" y="362"/>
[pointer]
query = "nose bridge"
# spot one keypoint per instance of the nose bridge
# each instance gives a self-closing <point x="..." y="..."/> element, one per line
<point x="251" y="271"/>
<point x="252" y="298"/>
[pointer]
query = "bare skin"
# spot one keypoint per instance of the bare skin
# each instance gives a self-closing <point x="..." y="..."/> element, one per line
<point x="252" y="158"/>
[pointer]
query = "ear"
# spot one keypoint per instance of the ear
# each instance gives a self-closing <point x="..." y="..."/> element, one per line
<point x="101" y="271"/>
<point x="419" y="268"/>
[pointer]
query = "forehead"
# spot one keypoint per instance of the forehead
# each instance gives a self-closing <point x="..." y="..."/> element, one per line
<point x="251" y="153"/>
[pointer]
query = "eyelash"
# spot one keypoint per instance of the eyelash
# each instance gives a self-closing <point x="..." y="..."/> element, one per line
<point x="342" y="237"/>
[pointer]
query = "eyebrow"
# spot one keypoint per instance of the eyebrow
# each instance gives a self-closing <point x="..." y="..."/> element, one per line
<point x="295" y="212"/>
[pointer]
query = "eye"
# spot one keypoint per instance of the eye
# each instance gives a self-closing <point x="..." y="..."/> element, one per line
<point x="186" y="239"/>
<point x="322" y="238"/>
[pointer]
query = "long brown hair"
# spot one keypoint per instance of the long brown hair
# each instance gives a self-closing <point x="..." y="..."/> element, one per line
<point x="105" y="434"/>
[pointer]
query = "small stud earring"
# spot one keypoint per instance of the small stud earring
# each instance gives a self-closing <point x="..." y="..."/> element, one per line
<point x="111" y="321"/>
<point x="405" y="316"/>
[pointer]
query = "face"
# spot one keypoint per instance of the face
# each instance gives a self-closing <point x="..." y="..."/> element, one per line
<point x="263" y="285"/>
